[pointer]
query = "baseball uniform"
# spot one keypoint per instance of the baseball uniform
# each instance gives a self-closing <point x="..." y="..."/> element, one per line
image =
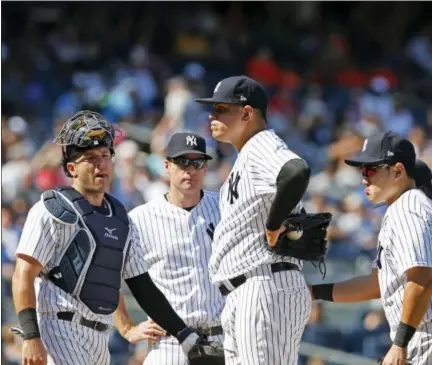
<point x="404" y="242"/>
<point x="264" y="318"/>
<point x="46" y="239"/>
<point x="177" y="245"/>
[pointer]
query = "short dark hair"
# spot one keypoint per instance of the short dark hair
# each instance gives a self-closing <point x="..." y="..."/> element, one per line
<point x="427" y="190"/>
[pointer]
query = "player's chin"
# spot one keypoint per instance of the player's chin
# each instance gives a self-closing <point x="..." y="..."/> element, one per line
<point x="373" y="198"/>
<point x="101" y="184"/>
<point x="190" y="184"/>
<point x="219" y="136"/>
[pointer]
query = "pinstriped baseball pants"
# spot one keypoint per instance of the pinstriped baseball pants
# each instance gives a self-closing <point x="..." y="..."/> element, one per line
<point x="264" y="319"/>
<point x="169" y="352"/>
<point x="69" y="343"/>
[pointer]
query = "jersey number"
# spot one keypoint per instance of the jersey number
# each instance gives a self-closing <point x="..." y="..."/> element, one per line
<point x="233" y="187"/>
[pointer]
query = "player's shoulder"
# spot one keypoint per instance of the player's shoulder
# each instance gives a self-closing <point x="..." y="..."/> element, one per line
<point x="268" y="142"/>
<point x="39" y="210"/>
<point x="412" y="201"/>
<point x="147" y="207"/>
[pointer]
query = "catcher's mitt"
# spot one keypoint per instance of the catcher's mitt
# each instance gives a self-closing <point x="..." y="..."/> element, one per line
<point x="304" y="237"/>
<point x="206" y="353"/>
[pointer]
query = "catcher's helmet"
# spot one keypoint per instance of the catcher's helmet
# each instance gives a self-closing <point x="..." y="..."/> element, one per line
<point x="83" y="131"/>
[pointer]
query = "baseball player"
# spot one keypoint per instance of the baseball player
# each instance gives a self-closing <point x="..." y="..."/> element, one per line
<point x="76" y="246"/>
<point x="268" y="303"/>
<point x="177" y="231"/>
<point x="423" y="178"/>
<point x="402" y="271"/>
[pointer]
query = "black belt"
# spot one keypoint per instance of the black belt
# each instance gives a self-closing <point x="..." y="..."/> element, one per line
<point x="241" y="279"/>
<point x="94" y="325"/>
<point x="212" y="331"/>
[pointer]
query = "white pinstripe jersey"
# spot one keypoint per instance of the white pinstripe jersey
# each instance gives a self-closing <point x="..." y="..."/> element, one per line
<point x="404" y="242"/>
<point x="245" y="199"/>
<point x="177" y="250"/>
<point x="45" y="240"/>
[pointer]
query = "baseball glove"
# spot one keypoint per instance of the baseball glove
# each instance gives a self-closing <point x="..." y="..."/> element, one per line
<point x="206" y="353"/>
<point x="17" y="331"/>
<point x="305" y="237"/>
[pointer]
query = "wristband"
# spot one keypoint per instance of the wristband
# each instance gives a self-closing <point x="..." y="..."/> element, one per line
<point x="404" y="334"/>
<point x="323" y="292"/>
<point x="29" y="325"/>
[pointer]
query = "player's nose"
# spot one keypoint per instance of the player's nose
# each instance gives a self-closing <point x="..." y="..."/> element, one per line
<point x="365" y="182"/>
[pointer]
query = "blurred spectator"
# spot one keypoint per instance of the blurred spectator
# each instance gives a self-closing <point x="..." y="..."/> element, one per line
<point x="419" y="49"/>
<point x="263" y="68"/>
<point x="401" y="120"/>
<point x="370" y="337"/>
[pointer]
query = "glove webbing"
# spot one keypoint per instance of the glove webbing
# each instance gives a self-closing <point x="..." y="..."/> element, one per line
<point x="321" y="267"/>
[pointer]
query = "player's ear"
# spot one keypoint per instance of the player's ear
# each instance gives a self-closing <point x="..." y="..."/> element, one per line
<point x="72" y="169"/>
<point x="247" y="113"/>
<point x="166" y="165"/>
<point x="398" y="169"/>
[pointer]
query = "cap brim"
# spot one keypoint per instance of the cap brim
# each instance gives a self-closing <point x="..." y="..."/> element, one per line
<point x="206" y="101"/>
<point x="182" y="153"/>
<point x="360" y="160"/>
<point x="214" y="101"/>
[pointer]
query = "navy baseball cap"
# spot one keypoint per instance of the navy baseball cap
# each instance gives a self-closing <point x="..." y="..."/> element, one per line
<point x="241" y="90"/>
<point x="422" y="173"/>
<point x="385" y="148"/>
<point x="183" y="143"/>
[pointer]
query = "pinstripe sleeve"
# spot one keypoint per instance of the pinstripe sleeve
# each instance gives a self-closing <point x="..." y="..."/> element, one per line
<point x="412" y="239"/>
<point x="135" y="263"/>
<point x="40" y="235"/>
<point x="266" y="160"/>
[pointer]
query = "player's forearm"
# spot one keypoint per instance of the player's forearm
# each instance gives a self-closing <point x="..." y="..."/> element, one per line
<point x="291" y="184"/>
<point x="154" y="303"/>
<point x="122" y="320"/>
<point x="24" y="298"/>
<point x="354" y="290"/>
<point x="416" y="301"/>
<point x="23" y="291"/>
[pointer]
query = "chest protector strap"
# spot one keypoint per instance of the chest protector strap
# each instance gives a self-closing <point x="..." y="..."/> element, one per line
<point x="91" y="267"/>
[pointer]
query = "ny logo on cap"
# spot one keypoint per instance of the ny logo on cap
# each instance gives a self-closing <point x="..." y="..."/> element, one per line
<point x="365" y="145"/>
<point x="191" y="141"/>
<point x="217" y="87"/>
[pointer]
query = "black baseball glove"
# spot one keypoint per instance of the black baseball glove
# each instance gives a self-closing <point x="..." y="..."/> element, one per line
<point x="206" y="353"/>
<point x="305" y="237"/>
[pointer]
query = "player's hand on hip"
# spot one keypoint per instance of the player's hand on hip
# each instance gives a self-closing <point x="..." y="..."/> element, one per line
<point x="395" y="356"/>
<point x="272" y="236"/>
<point x="147" y="330"/>
<point x="33" y="352"/>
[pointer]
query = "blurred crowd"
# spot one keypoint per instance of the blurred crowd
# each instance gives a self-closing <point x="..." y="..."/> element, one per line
<point x="335" y="74"/>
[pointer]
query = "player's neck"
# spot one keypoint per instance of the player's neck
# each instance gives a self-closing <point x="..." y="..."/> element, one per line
<point x="248" y="134"/>
<point x="182" y="200"/>
<point x="95" y="199"/>
<point x="402" y="189"/>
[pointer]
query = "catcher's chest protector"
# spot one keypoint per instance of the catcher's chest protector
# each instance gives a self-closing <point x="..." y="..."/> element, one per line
<point x="91" y="267"/>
